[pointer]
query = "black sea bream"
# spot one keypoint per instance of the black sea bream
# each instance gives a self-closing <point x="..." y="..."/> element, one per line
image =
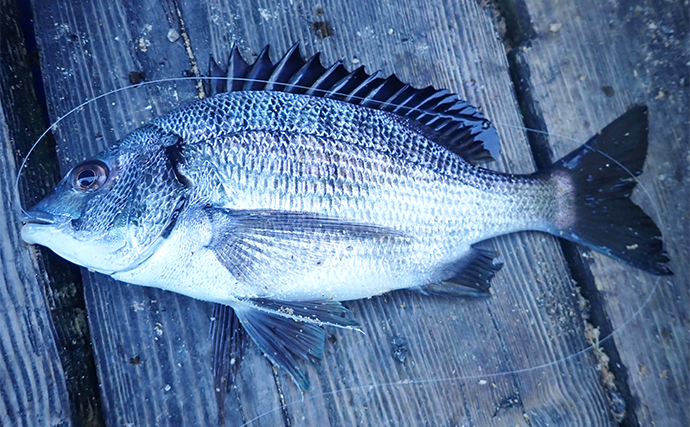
<point x="300" y="187"/>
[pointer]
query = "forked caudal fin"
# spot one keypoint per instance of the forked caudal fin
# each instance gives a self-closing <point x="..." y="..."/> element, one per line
<point x="600" y="179"/>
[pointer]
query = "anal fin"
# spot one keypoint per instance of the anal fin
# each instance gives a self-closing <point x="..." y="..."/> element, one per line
<point x="473" y="278"/>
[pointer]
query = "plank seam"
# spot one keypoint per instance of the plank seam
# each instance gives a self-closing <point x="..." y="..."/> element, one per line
<point x="519" y="32"/>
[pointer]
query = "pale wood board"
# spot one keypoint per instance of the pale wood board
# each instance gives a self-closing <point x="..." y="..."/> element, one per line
<point x="639" y="49"/>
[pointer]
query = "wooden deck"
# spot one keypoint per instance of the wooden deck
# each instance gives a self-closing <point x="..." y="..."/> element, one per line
<point x="84" y="350"/>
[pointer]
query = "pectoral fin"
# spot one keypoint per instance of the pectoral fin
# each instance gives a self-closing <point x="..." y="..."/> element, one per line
<point x="291" y="332"/>
<point x="252" y="244"/>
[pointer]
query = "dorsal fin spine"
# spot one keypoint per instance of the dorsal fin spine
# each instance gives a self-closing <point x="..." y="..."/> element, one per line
<point x="259" y="72"/>
<point x="440" y="114"/>
<point x="284" y="68"/>
<point x="371" y="80"/>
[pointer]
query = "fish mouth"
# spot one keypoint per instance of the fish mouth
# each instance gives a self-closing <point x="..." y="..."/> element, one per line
<point x="39" y="226"/>
<point x="38" y="217"/>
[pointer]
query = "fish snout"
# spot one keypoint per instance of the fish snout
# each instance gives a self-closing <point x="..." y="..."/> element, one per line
<point x="38" y="225"/>
<point x="38" y="217"/>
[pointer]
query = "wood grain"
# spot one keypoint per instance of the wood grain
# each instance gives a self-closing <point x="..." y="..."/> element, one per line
<point x="588" y="62"/>
<point x="33" y="389"/>
<point x="515" y="358"/>
<point x="48" y="372"/>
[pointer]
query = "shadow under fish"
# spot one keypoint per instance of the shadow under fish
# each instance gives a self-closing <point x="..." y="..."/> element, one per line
<point x="296" y="187"/>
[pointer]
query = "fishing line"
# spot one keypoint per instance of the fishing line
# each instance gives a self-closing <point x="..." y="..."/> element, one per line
<point x="478" y="377"/>
<point x="178" y="79"/>
<point x="405" y="382"/>
<point x="573" y="356"/>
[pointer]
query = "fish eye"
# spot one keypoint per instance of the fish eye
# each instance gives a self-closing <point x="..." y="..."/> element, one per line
<point x="89" y="176"/>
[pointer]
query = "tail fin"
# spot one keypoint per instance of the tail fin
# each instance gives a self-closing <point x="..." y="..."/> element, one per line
<point x="605" y="219"/>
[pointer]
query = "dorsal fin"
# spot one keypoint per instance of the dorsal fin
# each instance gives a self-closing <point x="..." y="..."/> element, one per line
<point x="439" y="114"/>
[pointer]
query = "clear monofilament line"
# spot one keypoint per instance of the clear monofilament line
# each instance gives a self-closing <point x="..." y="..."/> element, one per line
<point x="392" y="384"/>
<point x="179" y="79"/>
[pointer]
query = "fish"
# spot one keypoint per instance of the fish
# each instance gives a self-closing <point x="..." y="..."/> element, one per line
<point x="296" y="187"/>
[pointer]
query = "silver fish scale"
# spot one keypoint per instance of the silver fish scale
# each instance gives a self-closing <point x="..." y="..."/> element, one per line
<point x="296" y="153"/>
<point x="235" y="112"/>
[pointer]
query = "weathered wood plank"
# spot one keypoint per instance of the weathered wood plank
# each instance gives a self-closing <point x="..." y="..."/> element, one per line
<point x="86" y="52"/>
<point x="588" y="61"/>
<point x="32" y="386"/>
<point x="507" y="360"/>
<point x="32" y="390"/>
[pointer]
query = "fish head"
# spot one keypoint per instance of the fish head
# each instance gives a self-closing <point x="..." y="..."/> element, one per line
<point x="108" y="212"/>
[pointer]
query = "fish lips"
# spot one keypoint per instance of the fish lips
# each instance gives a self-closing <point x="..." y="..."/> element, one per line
<point x="57" y="234"/>
<point x="38" y="217"/>
<point x="38" y="222"/>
